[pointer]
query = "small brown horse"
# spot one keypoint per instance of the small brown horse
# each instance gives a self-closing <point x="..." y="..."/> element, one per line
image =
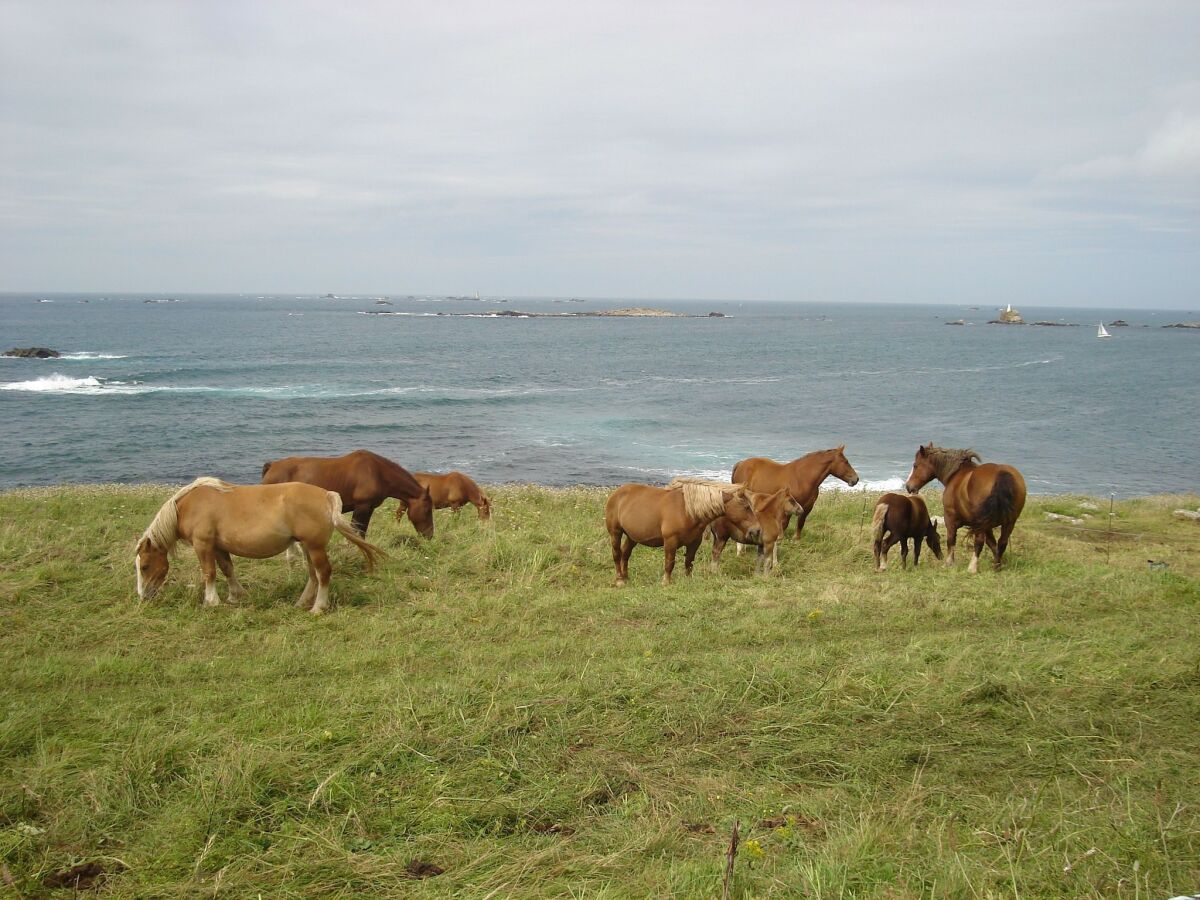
<point x="902" y="519"/>
<point x="452" y="490"/>
<point x="773" y="512"/>
<point x="363" y="480"/>
<point x="802" y="477"/>
<point x="220" y="520"/>
<point x="672" y="517"/>
<point x="979" y="497"/>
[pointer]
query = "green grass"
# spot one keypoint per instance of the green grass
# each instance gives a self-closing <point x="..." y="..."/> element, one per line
<point x="489" y="703"/>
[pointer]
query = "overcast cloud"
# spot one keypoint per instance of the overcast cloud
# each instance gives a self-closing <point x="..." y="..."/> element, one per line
<point x="1046" y="153"/>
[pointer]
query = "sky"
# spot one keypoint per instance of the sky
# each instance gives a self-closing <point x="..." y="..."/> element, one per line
<point x="951" y="152"/>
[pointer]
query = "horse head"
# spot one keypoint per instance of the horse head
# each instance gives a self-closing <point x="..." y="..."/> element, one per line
<point x="841" y="467"/>
<point x="933" y="538"/>
<point x="151" y="564"/>
<point x="420" y="513"/>
<point x="739" y="508"/>
<point x="923" y="471"/>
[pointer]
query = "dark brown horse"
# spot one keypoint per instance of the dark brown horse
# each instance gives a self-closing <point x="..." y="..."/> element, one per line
<point x="773" y="512"/>
<point x="363" y="480"/>
<point x="979" y="497"/>
<point x="897" y="520"/>
<point x="451" y="491"/>
<point x="802" y="477"/>
<point x="672" y="517"/>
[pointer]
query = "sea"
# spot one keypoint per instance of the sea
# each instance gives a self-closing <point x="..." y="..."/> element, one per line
<point x="167" y="387"/>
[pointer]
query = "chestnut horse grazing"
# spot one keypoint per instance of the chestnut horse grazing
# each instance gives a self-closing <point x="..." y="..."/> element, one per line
<point x="672" y="517"/>
<point x="773" y="512"/>
<point x="452" y="490"/>
<point x="903" y="518"/>
<point x="802" y="477"/>
<point x="220" y="520"/>
<point x="979" y="497"/>
<point x="363" y="480"/>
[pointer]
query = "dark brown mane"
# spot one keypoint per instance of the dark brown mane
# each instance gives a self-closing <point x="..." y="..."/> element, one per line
<point x="947" y="461"/>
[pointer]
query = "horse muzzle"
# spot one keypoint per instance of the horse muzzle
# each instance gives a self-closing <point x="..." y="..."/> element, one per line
<point x="754" y="535"/>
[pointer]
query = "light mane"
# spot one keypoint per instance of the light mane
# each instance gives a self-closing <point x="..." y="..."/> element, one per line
<point x="946" y="461"/>
<point x="163" y="530"/>
<point x="702" y="498"/>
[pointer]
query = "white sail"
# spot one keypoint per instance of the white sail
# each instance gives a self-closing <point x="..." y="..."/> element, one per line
<point x="1102" y="332"/>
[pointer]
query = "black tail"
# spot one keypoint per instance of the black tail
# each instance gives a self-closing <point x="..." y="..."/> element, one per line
<point x="998" y="505"/>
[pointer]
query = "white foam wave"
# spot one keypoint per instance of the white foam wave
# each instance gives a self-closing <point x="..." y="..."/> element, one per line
<point x="87" y="354"/>
<point x="63" y="384"/>
<point x="91" y="385"/>
<point x="880" y="486"/>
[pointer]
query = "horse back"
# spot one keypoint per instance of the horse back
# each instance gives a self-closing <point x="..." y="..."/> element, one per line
<point x="758" y="473"/>
<point x="990" y="494"/>
<point x="905" y="516"/>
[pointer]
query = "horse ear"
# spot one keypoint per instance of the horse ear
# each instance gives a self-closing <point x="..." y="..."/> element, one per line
<point x="922" y="450"/>
<point x="841" y="447"/>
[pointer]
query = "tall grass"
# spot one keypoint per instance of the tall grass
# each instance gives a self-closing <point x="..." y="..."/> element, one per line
<point x="490" y="704"/>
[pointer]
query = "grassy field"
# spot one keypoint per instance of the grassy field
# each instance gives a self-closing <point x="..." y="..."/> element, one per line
<point x="488" y="705"/>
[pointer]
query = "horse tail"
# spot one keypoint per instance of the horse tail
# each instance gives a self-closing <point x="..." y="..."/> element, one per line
<point x="370" y="552"/>
<point x="267" y="467"/>
<point x="879" y="521"/>
<point x="998" y="505"/>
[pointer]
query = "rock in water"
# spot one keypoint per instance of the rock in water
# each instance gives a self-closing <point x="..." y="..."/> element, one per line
<point x="33" y="353"/>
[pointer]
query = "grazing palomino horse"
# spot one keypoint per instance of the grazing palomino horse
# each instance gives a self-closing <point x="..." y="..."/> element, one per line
<point x="672" y="517"/>
<point x="773" y="512"/>
<point x="802" y="477"/>
<point x="220" y="520"/>
<point x="980" y="497"/>
<point x="902" y="519"/>
<point x="363" y="480"/>
<point x="452" y="490"/>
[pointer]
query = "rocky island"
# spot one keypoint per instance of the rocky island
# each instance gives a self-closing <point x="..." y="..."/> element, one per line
<point x="1008" y="317"/>
<point x="33" y="353"/>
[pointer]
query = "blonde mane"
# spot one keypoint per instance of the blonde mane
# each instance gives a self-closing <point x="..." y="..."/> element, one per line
<point x="946" y="461"/>
<point x="163" y="530"/>
<point x="702" y="498"/>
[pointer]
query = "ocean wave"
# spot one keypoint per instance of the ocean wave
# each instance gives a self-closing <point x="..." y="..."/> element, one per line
<point x="63" y="384"/>
<point x="882" y="485"/>
<point x="936" y="370"/>
<point x="423" y="394"/>
<point x="87" y="354"/>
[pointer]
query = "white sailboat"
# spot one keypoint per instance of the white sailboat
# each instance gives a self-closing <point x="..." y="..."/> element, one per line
<point x="1102" y="332"/>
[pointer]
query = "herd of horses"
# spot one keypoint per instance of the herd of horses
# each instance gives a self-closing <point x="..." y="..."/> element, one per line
<point x="301" y="501"/>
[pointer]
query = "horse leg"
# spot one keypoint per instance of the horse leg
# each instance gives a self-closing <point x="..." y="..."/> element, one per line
<point x="689" y="555"/>
<point x="208" y="568"/>
<point x="304" y="601"/>
<point x="1002" y="544"/>
<point x="904" y="553"/>
<point x="886" y="546"/>
<point x="362" y="517"/>
<point x="766" y="556"/>
<point x="951" y="542"/>
<point x="670" y="545"/>
<point x="617" y="555"/>
<point x="979" y="541"/>
<point x="626" y="551"/>
<point x="236" y="591"/>
<point x="917" y="550"/>
<point x="800" y="518"/>
<point x="718" y="548"/>
<point x="319" y="560"/>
